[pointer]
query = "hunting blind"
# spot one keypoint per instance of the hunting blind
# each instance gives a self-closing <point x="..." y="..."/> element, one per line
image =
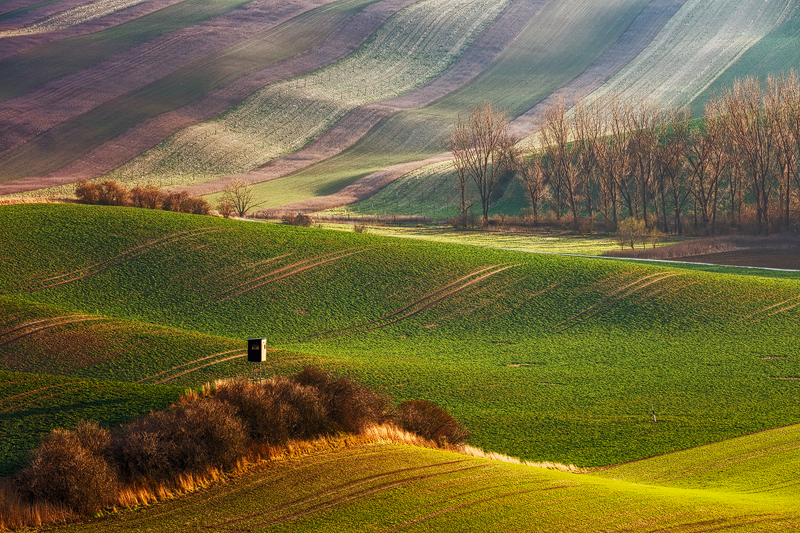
<point x="256" y="350"/>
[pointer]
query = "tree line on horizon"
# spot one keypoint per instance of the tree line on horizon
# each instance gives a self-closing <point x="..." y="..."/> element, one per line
<point x="615" y="158"/>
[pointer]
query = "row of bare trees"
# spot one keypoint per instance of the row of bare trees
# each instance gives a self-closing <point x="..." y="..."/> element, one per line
<point x="613" y="158"/>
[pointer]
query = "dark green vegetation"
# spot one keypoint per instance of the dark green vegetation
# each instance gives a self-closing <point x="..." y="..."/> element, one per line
<point x="75" y="137"/>
<point x="544" y="357"/>
<point x="400" y="488"/>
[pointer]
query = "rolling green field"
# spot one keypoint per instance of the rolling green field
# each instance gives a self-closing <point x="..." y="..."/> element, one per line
<point x="540" y="356"/>
<point x="399" y="488"/>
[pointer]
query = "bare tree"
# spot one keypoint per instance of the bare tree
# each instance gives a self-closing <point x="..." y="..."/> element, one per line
<point x="556" y="134"/>
<point x="459" y="137"/>
<point x="241" y="197"/>
<point x="485" y="148"/>
<point x="532" y="175"/>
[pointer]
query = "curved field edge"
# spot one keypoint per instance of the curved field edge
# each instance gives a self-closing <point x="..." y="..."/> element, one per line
<point x="390" y="487"/>
<point x="542" y="357"/>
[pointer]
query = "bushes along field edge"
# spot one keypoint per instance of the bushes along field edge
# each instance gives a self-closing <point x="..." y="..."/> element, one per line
<point x="224" y="428"/>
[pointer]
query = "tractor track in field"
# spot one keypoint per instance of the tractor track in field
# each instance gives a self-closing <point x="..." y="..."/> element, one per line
<point x="606" y="298"/>
<point x="744" y="322"/>
<point x="186" y="364"/>
<point x="337" y="498"/>
<point x="114" y="152"/>
<point x="194" y="369"/>
<point x="615" y="301"/>
<point x="97" y="268"/>
<point x="480" y="501"/>
<point x="28" y="401"/>
<point x="15" y="45"/>
<point x="69" y="96"/>
<point x="415" y="307"/>
<point x="36" y="322"/>
<point x="50" y="326"/>
<point x="280" y="274"/>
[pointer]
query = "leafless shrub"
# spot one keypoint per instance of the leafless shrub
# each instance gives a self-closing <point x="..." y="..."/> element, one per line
<point x="148" y="197"/>
<point x="225" y="208"/>
<point x="191" y="438"/>
<point x="197" y="206"/>
<point x="87" y="192"/>
<point x="18" y="511"/>
<point x="298" y="220"/>
<point x="112" y="193"/>
<point x="359" y="228"/>
<point x="176" y="201"/>
<point x="430" y="421"/>
<point x="72" y="467"/>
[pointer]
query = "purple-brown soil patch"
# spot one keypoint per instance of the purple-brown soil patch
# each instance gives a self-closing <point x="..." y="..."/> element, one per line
<point x="57" y="101"/>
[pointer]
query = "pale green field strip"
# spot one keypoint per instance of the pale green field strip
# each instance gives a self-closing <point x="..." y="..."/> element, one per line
<point x="411" y="48"/>
<point x="391" y="487"/>
<point x="775" y="53"/>
<point x="71" y="17"/>
<point x="763" y="465"/>
<point x="32" y="68"/>
<point x="293" y="32"/>
<point x="10" y="9"/>
<point x="700" y="42"/>
<point x="554" y="47"/>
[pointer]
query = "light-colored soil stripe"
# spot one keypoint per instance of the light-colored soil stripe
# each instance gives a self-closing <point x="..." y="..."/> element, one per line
<point x="72" y="17"/>
<point x="187" y="364"/>
<point x="694" y="48"/>
<point x="166" y="380"/>
<point x="55" y="102"/>
<point x="15" y="45"/>
<point x="28" y="14"/>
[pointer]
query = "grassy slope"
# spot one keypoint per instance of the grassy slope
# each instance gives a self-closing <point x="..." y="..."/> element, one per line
<point x="69" y="140"/>
<point x="32" y="404"/>
<point x="776" y="53"/>
<point x="412" y="47"/>
<point x="25" y="71"/>
<point x="402" y="488"/>
<point x="704" y="349"/>
<point x="554" y="47"/>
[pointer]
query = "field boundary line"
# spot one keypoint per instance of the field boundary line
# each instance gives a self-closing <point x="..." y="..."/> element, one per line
<point x="189" y="371"/>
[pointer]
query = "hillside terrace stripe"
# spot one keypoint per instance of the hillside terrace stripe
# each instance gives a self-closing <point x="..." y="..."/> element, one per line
<point x="484" y="50"/>
<point x="104" y="154"/>
<point x="29" y="13"/>
<point x="57" y="101"/>
<point x="351" y="128"/>
<point x="16" y="45"/>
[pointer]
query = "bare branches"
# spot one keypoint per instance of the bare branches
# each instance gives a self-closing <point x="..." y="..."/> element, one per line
<point x="239" y="197"/>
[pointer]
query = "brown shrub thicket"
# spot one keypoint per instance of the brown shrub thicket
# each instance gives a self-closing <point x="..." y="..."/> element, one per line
<point x="298" y="220"/>
<point x="430" y="421"/>
<point x="110" y="192"/>
<point x="90" y="468"/>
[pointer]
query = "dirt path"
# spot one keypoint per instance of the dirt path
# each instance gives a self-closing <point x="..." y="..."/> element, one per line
<point x="144" y="136"/>
<point x="352" y="127"/>
<point x="55" y="102"/>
